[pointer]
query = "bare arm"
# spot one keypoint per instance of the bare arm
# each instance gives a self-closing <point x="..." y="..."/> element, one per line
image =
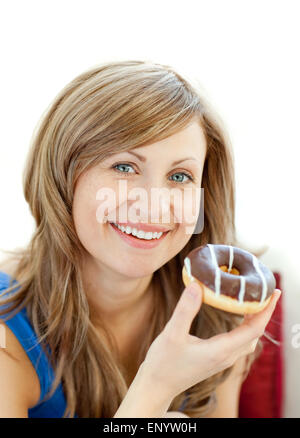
<point x="18" y="382"/>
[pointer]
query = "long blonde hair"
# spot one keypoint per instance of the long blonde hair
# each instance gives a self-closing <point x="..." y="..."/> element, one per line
<point x="113" y="107"/>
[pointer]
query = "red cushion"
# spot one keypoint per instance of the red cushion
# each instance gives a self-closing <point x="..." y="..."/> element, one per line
<point x="262" y="391"/>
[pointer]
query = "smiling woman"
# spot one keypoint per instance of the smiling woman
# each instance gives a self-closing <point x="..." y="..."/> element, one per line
<point x="97" y="290"/>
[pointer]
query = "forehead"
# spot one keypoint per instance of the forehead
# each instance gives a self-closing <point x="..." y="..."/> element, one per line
<point x="189" y="141"/>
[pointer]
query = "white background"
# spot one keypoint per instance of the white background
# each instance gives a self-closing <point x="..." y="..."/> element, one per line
<point x="245" y="54"/>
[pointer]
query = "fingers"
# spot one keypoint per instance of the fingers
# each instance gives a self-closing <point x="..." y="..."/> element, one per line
<point x="251" y="328"/>
<point x="250" y="316"/>
<point x="185" y="311"/>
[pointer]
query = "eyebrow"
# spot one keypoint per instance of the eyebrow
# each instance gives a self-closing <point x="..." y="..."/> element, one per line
<point x="142" y="158"/>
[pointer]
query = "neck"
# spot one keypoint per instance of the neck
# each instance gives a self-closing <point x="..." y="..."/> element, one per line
<point x="112" y="297"/>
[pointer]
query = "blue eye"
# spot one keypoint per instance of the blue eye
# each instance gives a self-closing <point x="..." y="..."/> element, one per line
<point x="185" y="174"/>
<point x="126" y="165"/>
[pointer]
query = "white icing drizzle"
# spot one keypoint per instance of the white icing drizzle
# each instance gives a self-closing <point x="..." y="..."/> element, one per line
<point x="242" y="277"/>
<point x="264" y="283"/>
<point x="217" y="271"/>
<point x="230" y="258"/>
<point x="242" y="289"/>
<point x="187" y="264"/>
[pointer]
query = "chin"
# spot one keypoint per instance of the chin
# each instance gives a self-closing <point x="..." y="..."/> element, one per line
<point x="136" y="271"/>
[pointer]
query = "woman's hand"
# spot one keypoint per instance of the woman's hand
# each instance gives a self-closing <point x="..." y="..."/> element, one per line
<point x="177" y="360"/>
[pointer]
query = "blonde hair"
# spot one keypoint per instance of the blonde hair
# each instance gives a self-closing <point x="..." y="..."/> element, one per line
<point x="113" y="107"/>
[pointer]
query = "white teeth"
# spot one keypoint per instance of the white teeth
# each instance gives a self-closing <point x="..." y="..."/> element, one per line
<point x="139" y="233"/>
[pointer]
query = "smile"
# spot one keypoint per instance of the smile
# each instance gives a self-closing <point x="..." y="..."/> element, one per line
<point x="139" y="233"/>
<point x="139" y="238"/>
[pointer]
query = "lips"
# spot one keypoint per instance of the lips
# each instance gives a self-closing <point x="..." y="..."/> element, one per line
<point x="137" y="242"/>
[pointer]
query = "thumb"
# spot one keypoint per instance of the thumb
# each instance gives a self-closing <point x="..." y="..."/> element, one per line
<point x="185" y="311"/>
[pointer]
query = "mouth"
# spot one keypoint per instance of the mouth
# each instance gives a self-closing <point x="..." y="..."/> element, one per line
<point x="137" y="238"/>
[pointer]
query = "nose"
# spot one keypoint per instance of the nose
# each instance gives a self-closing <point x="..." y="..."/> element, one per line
<point x="153" y="202"/>
<point x="160" y="208"/>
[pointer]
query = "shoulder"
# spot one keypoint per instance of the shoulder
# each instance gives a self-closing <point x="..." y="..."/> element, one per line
<point x="18" y="377"/>
<point x="17" y="373"/>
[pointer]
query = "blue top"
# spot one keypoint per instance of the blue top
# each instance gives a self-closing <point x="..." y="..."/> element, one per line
<point x="22" y="328"/>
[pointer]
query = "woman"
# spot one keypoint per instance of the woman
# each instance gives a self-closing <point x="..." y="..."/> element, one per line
<point x="115" y="334"/>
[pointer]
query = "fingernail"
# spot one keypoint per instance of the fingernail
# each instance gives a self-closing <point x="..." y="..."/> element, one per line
<point x="277" y="295"/>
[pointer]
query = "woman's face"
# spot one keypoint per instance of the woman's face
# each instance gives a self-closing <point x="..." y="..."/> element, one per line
<point x="165" y="165"/>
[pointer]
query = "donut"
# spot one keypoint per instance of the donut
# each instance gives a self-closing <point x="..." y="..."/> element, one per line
<point x="232" y="278"/>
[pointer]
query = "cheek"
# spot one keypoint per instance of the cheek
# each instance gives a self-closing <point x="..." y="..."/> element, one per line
<point x="85" y="206"/>
<point x="187" y="210"/>
<point x="86" y="226"/>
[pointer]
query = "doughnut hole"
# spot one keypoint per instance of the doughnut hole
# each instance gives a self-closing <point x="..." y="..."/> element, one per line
<point x="232" y="271"/>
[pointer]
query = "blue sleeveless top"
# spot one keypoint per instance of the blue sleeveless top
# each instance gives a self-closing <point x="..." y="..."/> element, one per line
<point x="21" y="327"/>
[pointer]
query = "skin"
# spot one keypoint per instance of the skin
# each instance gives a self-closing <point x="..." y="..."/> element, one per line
<point x="118" y="290"/>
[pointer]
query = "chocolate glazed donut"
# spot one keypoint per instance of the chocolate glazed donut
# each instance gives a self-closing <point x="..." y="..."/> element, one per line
<point x="233" y="279"/>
